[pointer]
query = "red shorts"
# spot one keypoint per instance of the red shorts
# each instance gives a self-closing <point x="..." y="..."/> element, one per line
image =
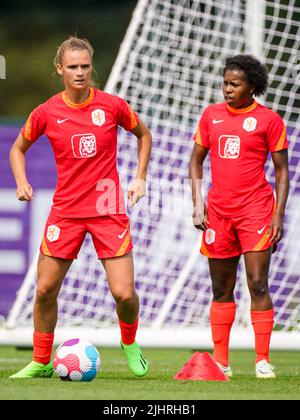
<point x="230" y="237"/>
<point x="63" y="237"/>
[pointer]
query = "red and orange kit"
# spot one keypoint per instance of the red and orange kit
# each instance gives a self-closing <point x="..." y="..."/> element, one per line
<point x="239" y="141"/>
<point x="88" y="186"/>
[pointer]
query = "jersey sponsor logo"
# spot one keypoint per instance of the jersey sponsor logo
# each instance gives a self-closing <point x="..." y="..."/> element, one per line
<point x="98" y="117"/>
<point x="53" y="233"/>
<point x="61" y="121"/>
<point x="210" y="236"/>
<point x="229" y="147"/>
<point x="249" y="124"/>
<point x="84" y="145"/>
<point x="217" y="121"/>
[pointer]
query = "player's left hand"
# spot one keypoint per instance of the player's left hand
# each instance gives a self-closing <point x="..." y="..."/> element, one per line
<point x="200" y="216"/>
<point x="136" y="190"/>
<point x="276" y="228"/>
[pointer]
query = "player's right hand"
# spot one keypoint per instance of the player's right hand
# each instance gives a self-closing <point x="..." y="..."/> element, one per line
<point x="200" y="216"/>
<point x="136" y="191"/>
<point x="24" y="192"/>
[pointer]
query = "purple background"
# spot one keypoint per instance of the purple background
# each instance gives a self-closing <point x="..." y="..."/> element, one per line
<point x="40" y="166"/>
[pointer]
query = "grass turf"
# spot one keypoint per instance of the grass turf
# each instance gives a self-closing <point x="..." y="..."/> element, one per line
<point x="115" y="382"/>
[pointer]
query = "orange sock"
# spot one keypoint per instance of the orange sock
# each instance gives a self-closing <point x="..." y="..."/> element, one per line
<point x="42" y="347"/>
<point x="262" y="322"/>
<point x="128" y="331"/>
<point x="221" y="319"/>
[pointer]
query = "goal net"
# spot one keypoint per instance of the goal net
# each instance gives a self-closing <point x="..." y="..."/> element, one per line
<point x="169" y="68"/>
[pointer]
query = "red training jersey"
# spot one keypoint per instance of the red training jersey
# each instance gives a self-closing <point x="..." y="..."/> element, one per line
<point x="239" y="141"/>
<point x="84" y="140"/>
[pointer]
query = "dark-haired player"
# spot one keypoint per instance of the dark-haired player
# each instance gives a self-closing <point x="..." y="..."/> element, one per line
<point x="241" y="216"/>
<point x="82" y="124"/>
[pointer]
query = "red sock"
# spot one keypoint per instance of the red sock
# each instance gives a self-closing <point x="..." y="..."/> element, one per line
<point x="128" y="331"/>
<point x="262" y="322"/>
<point x="221" y="319"/>
<point x="42" y="347"/>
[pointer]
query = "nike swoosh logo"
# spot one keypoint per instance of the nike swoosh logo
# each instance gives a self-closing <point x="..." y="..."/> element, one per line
<point x="217" y="121"/>
<point x="61" y="121"/>
<point x="260" y="231"/>
<point x="121" y="236"/>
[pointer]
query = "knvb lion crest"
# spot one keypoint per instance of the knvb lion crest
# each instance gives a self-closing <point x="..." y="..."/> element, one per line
<point x="249" y="124"/>
<point x="210" y="236"/>
<point x="98" y="117"/>
<point x="84" y="145"/>
<point x="53" y="233"/>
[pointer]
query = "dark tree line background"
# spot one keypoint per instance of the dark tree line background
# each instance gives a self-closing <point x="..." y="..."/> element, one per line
<point x="30" y="32"/>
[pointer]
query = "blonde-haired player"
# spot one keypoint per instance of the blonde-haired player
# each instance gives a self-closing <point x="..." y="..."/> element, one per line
<point x="81" y="124"/>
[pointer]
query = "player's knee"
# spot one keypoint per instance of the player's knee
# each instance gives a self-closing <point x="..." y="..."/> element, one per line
<point x="126" y="298"/>
<point x="258" y="287"/>
<point x="45" y="293"/>
<point x="221" y="293"/>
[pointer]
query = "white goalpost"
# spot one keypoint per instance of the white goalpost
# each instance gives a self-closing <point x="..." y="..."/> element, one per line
<point x="169" y="68"/>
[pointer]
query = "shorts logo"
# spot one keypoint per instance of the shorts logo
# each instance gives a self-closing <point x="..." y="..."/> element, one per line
<point x="229" y="147"/>
<point x="53" y="232"/>
<point x="98" y="117"/>
<point x="122" y="235"/>
<point x="84" y="145"/>
<point x="249" y="124"/>
<point x="260" y="231"/>
<point x="210" y="236"/>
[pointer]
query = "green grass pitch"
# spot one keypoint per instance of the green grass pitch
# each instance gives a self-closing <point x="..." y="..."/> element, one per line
<point x="115" y="382"/>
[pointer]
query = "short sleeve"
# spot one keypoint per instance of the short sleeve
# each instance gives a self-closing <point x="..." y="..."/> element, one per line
<point x="125" y="115"/>
<point x="35" y="125"/>
<point x="276" y="134"/>
<point x="201" y="137"/>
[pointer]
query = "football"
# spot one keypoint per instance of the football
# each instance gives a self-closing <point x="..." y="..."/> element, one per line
<point x="76" y="360"/>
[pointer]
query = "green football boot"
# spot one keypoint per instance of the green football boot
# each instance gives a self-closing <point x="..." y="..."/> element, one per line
<point x="34" y="370"/>
<point x="136" y="361"/>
